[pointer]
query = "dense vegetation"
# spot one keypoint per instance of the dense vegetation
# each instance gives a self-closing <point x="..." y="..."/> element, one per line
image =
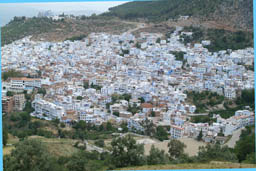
<point x="74" y="38"/>
<point x="162" y="10"/>
<point x="204" y="100"/>
<point x="245" y="147"/>
<point x="115" y="98"/>
<point x="97" y="87"/>
<point x="124" y="151"/>
<point x="220" y="39"/>
<point x="22" y="27"/>
<point x="245" y="99"/>
<point x="202" y="119"/>
<point x="216" y="153"/>
<point x="11" y="73"/>
<point x="22" y="125"/>
<point x="65" y="29"/>
<point x="33" y="154"/>
<point x="179" y="55"/>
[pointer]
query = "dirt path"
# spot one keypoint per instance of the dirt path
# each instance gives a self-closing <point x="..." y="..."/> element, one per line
<point x="138" y="26"/>
<point x="91" y="147"/>
<point x="235" y="137"/>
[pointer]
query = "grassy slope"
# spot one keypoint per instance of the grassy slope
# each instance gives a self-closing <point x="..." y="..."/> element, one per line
<point x="212" y="165"/>
<point x="58" y="147"/>
<point x="60" y="30"/>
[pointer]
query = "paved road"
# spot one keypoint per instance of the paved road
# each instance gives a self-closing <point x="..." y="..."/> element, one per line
<point x="235" y="137"/>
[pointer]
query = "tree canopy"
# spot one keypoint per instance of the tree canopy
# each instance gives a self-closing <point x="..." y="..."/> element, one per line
<point x="176" y="149"/>
<point x="30" y="155"/>
<point x="125" y="152"/>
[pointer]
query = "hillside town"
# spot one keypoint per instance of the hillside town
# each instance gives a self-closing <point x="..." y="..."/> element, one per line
<point x="123" y="78"/>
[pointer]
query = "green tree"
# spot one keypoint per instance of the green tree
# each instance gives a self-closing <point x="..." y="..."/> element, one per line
<point x="216" y="152"/>
<point x="83" y="17"/>
<point x="11" y="73"/>
<point x="127" y="97"/>
<point x="149" y="127"/>
<point x="28" y="107"/>
<point x="78" y="162"/>
<point x="86" y="85"/>
<point x="125" y="152"/>
<point x="62" y="125"/>
<point x="116" y="114"/>
<point x="30" y="155"/>
<point x="246" y="144"/>
<point x="250" y="158"/>
<point x="79" y="98"/>
<point x="5" y="136"/>
<point x="9" y="93"/>
<point x="200" y="136"/>
<point x="138" y="45"/>
<point x="176" y="148"/>
<point x="156" y="156"/>
<point x="25" y="116"/>
<point x="158" y="40"/>
<point x="109" y="126"/>
<point x="161" y="133"/>
<point x="101" y="127"/>
<point x="153" y="114"/>
<point x="100" y="143"/>
<point x="142" y="100"/>
<point x="80" y="125"/>
<point x="124" y="127"/>
<point x="41" y="91"/>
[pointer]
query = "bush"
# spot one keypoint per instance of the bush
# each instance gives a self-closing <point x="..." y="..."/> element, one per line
<point x="116" y="114"/>
<point x="156" y="156"/>
<point x="246" y="144"/>
<point x="176" y="149"/>
<point x="161" y="133"/>
<point x="79" y="98"/>
<point x="125" y="152"/>
<point x="30" y="155"/>
<point x="74" y="38"/>
<point x="100" y="143"/>
<point x="62" y="125"/>
<point x="216" y="152"/>
<point x="11" y="73"/>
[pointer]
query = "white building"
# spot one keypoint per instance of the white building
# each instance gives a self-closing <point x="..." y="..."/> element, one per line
<point x="176" y="131"/>
<point x="47" y="109"/>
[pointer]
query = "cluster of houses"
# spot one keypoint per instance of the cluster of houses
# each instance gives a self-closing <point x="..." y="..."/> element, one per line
<point x="211" y="132"/>
<point x="80" y="78"/>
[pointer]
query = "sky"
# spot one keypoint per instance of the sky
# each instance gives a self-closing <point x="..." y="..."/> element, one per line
<point x="9" y="10"/>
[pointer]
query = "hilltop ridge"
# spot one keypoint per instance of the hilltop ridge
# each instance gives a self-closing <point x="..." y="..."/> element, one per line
<point x="238" y="14"/>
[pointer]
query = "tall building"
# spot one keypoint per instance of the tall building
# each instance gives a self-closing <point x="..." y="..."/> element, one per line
<point x="7" y="104"/>
<point x="19" y="102"/>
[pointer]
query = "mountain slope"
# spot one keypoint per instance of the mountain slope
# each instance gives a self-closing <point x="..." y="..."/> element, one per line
<point x="51" y="30"/>
<point x="237" y="13"/>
